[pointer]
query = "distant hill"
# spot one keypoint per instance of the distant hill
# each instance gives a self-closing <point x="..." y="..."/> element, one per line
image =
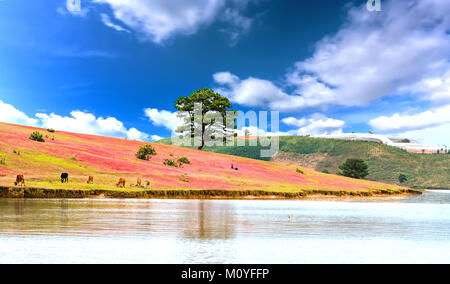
<point x="108" y="159"/>
<point x="386" y="163"/>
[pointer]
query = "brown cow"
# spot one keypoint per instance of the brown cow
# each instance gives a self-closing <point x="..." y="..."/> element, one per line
<point x="139" y="182"/>
<point x="20" y="181"/>
<point x="121" y="183"/>
<point x="147" y="184"/>
<point x="90" y="180"/>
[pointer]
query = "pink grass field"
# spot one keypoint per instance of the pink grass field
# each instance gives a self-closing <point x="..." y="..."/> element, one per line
<point x="108" y="159"/>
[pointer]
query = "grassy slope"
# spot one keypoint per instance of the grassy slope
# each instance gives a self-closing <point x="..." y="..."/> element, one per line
<point x="385" y="162"/>
<point x="108" y="159"/>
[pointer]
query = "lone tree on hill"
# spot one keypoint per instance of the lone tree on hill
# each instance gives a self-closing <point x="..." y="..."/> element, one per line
<point x="355" y="168"/>
<point x="214" y="119"/>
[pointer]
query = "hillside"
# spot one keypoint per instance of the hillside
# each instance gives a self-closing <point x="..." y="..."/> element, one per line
<point x="108" y="159"/>
<point x="386" y="163"/>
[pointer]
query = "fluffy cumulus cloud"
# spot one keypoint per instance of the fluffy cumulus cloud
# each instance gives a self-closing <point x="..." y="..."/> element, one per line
<point x="399" y="123"/>
<point x="10" y="114"/>
<point x="164" y="118"/>
<point x="252" y="92"/>
<point x="431" y="126"/>
<point x="373" y="55"/>
<point x="82" y="122"/>
<point x="158" y="20"/>
<point x="78" y="121"/>
<point x="315" y="125"/>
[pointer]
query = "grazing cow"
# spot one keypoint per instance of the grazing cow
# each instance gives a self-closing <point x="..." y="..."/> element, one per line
<point x="90" y="180"/>
<point x="121" y="183"/>
<point x="147" y="184"/>
<point x="232" y="167"/>
<point x="20" y="181"/>
<point x="64" y="177"/>
<point x="139" y="182"/>
<point x="237" y="169"/>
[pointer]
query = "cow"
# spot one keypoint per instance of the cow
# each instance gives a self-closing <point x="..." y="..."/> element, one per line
<point x="139" y="182"/>
<point x="90" y="180"/>
<point x="121" y="183"/>
<point x="64" y="178"/>
<point x="147" y="184"/>
<point x="20" y="181"/>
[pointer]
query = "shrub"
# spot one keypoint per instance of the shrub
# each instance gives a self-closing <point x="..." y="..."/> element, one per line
<point x="169" y="162"/>
<point x="36" y="136"/>
<point x="325" y="171"/>
<point x="354" y="168"/>
<point x="402" y="178"/>
<point x="17" y="152"/>
<point x="183" y="160"/>
<point x="51" y="130"/>
<point x="299" y="171"/>
<point x="146" y="152"/>
<point x="2" y="160"/>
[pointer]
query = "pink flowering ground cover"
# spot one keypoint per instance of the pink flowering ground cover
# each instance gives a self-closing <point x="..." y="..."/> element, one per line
<point x="108" y="159"/>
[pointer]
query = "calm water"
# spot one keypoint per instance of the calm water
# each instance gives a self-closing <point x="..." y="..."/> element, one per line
<point x="401" y="229"/>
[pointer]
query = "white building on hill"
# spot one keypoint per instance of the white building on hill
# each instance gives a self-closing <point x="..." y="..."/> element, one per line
<point x="410" y="147"/>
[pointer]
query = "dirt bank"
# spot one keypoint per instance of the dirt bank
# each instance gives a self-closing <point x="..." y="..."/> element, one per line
<point x="28" y="192"/>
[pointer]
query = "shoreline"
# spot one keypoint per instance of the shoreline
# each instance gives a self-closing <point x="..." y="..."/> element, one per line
<point x="43" y="193"/>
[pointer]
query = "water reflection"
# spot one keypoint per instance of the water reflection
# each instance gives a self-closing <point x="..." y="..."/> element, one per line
<point x="206" y="220"/>
<point x="403" y="229"/>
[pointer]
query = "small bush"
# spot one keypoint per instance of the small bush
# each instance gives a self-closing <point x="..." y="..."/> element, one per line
<point x="169" y="162"/>
<point x="299" y="171"/>
<point x="36" y="136"/>
<point x="146" y="152"/>
<point x="402" y="178"/>
<point x="17" y="152"/>
<point x="51" y="130"/>
<point x="325" y="171"/>
<point x="184" y="160"/>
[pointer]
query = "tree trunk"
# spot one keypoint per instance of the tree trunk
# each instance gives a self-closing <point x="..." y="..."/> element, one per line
<point x="203" y="138"/>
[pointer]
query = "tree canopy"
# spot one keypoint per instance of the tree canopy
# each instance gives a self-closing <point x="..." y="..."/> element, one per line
<point x="213" y="120"/>
<point x="355" y="168"/>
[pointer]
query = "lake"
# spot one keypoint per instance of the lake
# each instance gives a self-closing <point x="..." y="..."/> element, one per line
<point x="401" y="229"/>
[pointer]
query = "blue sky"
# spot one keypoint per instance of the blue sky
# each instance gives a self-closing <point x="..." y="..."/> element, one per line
<point x="116" y="67"/>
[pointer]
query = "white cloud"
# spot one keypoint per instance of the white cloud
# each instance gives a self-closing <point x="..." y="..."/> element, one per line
<point x="400" y="123"/>
<point x="79" y="122"/>
<point x="372" y="56"/>
<point x="159" y="20"/>
<point x="435" y="89"/>
<point x="165" y="118"/>
<point x="10" y="114"/>
<point x="107" y="21"/>
<point x="240" y="25"/>
<point x="251" y="92"/>
<point x="156" y="137"/>
<point x="315" y="125"/>
<point x="82" y="122"/>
